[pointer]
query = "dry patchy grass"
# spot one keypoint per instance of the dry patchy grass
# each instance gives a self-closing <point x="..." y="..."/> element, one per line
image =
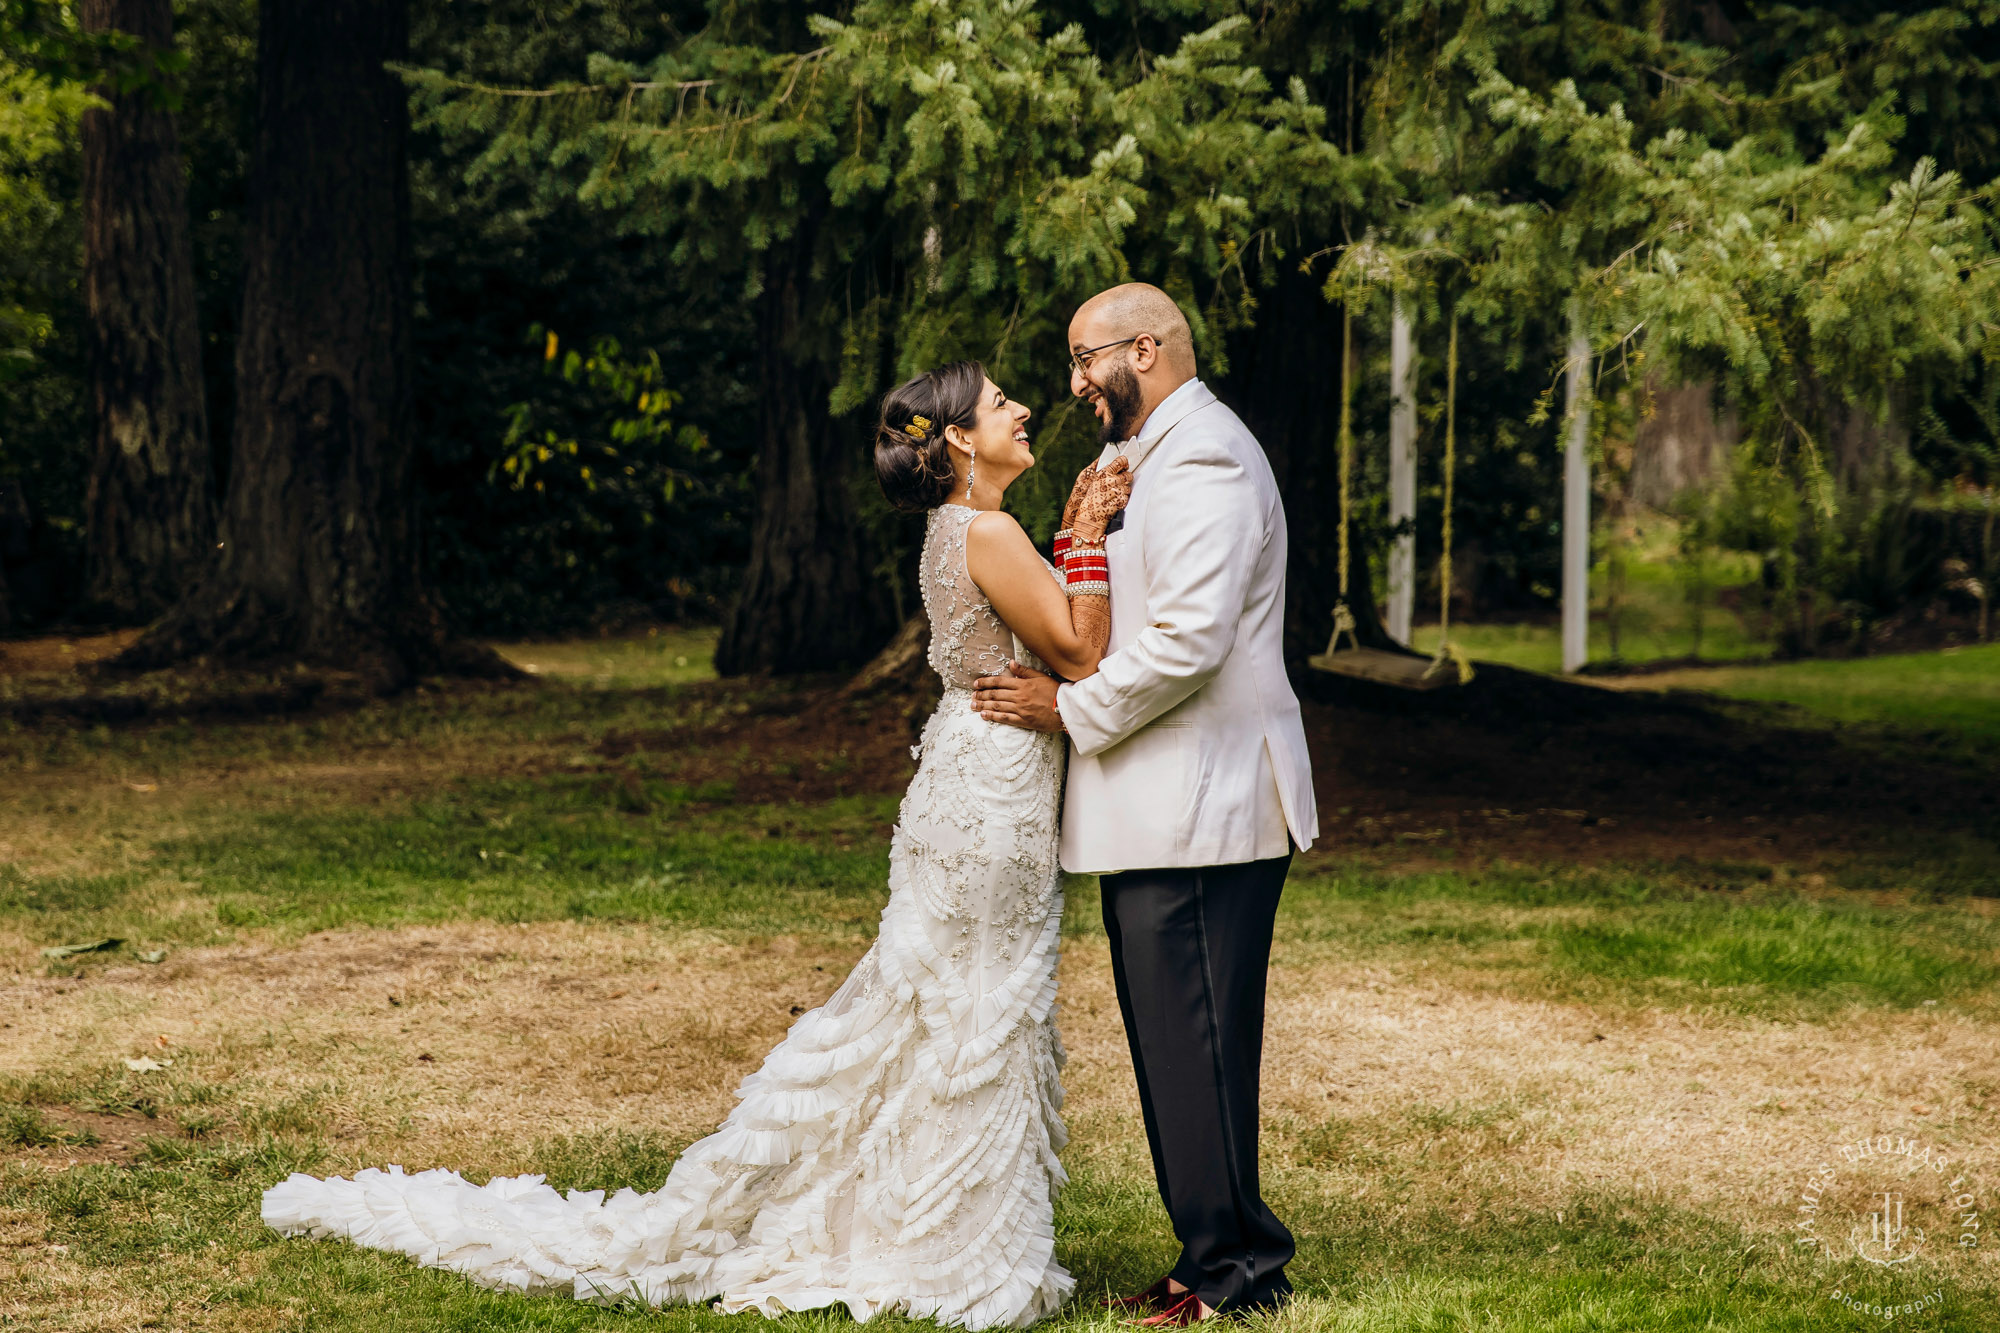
<point x="1390" y="1091"/>
<point x="465" y="1045"/>
<point x="439" y="1042"/>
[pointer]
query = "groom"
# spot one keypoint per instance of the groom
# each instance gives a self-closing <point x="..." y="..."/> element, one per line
<point x="1189" y="783"/>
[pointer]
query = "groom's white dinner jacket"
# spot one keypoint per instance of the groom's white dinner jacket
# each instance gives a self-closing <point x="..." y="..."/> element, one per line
<point x="1187" y="745"/>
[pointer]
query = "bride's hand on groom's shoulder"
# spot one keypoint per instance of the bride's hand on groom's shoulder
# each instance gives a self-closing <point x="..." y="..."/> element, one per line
<point x="1024" y="697"/>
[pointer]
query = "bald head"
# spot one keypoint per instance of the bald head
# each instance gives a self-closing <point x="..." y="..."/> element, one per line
<point x="1133" y="308"/>
<point x="1139" y="350"/>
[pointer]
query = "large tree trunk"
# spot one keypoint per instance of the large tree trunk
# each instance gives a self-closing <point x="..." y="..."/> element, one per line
<point x="150" y="515"/>
<point x="16" y="525"/>
<point x="809" y="600"/>
<point x="319" y="543"/>
<point x="1683" y="445"/>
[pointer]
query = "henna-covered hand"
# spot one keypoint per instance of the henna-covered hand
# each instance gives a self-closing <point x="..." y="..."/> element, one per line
<point x="1109" y="489"/>
<point x="1084" y="480"/>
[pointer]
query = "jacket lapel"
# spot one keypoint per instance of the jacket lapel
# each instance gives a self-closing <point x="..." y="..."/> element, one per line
<point x="1140" y="450"/>
<point x="1200" y="398"/>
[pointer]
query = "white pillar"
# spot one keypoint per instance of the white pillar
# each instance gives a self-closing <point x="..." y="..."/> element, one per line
<point x="1402" y="471"/>
<point x="1576" y="499"/>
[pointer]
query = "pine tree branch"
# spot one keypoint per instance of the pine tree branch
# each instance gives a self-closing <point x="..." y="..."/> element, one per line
<point x="560" y="90"/>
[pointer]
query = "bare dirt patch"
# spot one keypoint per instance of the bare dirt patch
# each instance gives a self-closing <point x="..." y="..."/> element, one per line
<point x="61" y="652"/>
<point x="811" y="746"/>
<point x="1516" y="766"/>
<point x="92" y="1138"/>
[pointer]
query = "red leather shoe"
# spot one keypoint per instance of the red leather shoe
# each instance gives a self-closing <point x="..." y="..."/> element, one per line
<point x="1150" y="1301"/>
<point x="1187" y="1310"/>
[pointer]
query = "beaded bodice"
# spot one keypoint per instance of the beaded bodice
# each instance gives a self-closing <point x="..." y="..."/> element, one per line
<point x="967" y="639"/>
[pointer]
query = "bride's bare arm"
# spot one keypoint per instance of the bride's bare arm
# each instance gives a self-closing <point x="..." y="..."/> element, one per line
<point x="1068" y="633"/>
<point x="1067" y="626"/>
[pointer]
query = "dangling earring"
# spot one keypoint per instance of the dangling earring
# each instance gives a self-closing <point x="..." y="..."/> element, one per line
<point x="971" y="462"/>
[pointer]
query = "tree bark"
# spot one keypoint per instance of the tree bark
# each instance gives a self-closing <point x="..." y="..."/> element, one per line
<point x="1683" y="445"/>
<point x="318" y="558"/>
<point x="809" y="601"/>
<point x="16" y="525"/>
<point x="150" y="511"/>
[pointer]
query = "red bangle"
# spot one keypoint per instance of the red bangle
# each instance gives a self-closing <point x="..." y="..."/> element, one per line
<point x="1092" y="557"/>
<point x="1086" y="572"/>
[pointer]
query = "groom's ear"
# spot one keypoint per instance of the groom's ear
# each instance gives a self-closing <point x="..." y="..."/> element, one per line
<point x="1145" y="352"/>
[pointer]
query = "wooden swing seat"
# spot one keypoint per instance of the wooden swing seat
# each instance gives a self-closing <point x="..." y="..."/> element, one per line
<point x="1398" y="670"/>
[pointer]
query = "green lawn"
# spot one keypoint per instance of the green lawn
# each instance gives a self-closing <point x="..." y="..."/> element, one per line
<point x="571" y="849"/>
<point x="1499" y="1095"/>
<point x="1642" y="608"/>
<point x="1537" y="646"/>
<point x="1950" y="697"/>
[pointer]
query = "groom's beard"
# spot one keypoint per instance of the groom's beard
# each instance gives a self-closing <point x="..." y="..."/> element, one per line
<point x="1122" y="401"/>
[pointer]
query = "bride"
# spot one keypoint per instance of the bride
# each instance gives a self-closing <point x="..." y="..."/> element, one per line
<point x="897" y="1150"/>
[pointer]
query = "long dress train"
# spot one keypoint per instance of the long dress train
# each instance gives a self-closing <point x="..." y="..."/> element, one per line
<point x="897" y="1150"/>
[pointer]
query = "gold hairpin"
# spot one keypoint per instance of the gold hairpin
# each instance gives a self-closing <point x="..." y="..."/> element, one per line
<point x="914" y="431"/>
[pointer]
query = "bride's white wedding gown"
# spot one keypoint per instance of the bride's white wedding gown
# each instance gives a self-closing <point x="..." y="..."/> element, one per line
<point x="897" y="1150"/>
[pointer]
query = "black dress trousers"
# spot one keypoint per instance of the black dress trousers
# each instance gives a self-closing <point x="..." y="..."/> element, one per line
<point x="1189" y="950"/>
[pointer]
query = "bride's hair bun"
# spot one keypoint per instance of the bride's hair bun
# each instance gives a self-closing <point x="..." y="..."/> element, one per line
<point x="912" y="460"/>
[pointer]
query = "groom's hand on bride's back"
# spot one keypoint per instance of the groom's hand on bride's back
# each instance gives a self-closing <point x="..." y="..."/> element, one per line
<point x="1024" y="697"/>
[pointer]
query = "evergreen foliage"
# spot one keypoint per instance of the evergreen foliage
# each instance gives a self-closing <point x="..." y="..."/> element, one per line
<point x="44" y="454"/>
<point x="1791" y="201"/>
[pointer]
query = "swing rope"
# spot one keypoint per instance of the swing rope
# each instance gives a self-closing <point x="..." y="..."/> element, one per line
<point x="1343" y="618"/>
<point x="1447" y="651"/>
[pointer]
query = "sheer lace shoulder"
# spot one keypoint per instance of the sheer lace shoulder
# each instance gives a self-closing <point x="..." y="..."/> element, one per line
<point x="968" y="640"/>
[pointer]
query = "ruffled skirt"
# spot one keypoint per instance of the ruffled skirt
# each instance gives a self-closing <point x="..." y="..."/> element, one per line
<point x="896" y="1151"/>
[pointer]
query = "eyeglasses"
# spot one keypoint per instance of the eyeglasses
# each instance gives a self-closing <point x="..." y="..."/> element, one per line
<point x="1080" y="361"/>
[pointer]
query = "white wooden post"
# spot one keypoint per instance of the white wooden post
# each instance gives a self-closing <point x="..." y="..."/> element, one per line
<point x="1576" y="499"/>
<point x="1402" y="471"/>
